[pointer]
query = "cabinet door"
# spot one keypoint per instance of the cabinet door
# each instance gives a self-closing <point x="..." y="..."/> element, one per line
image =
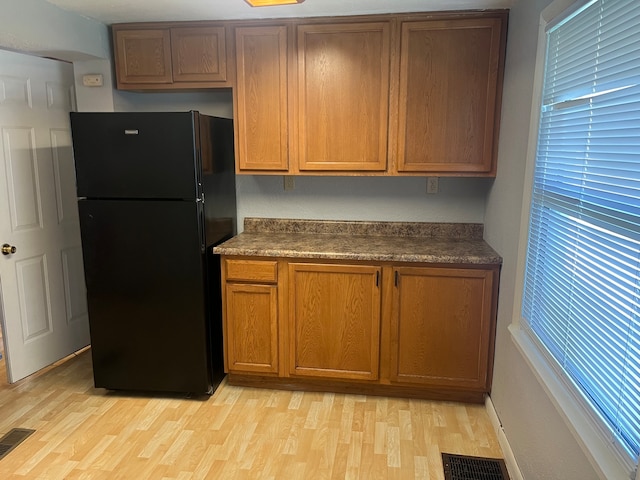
<point x="334" y="321"/>
<point x="448" y="93"/>
<point x="198" y="54"/>
<point x="261" y="99"/>
<point x="442" y="327"/>
<point x="343" y="96"/>
<point x="251" y="332"/>
<point x="143" y="56"/>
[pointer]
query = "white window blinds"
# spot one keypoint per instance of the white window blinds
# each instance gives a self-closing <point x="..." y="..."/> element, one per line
<point x="582" y="284"/>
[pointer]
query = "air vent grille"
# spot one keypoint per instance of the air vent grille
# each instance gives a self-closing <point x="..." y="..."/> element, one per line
<point x="12" y="439"/>
<point x="461" y="467"/>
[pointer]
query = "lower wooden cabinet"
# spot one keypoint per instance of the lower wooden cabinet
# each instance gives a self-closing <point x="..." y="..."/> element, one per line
<point x="441" y="326"/>
<point x="252" y="337"/>
<point x="361" y="327"/>
<point x="250" y="306"/>
<point x="334" y="321"/>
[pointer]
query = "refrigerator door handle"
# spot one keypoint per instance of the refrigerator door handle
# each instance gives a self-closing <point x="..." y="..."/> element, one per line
<point x="198" y="174"/>
<point x="201" y="225"/>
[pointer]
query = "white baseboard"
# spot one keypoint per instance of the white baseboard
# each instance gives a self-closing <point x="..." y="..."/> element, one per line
<point x="509" y="457"/>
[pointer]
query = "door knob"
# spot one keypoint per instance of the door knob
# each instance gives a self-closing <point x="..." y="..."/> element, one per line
<point x="8" y="249"/>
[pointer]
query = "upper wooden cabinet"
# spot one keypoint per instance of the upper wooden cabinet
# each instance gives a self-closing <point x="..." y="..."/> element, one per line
<point x="342" y="87"/>
<point x="166" y="57"/>
<point x="261" y="99"/>
<point x="415" y="94"/>
<point x="319" y="106"/>
<point x="198" y="54"/>
<point x="449" y="96"/>
<point x="143" y="56"/>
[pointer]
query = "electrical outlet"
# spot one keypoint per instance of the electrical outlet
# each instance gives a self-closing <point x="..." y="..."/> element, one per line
<point x="289" y="182"/>
<point x="92" y="80"/>
<point x="432" y="184"/>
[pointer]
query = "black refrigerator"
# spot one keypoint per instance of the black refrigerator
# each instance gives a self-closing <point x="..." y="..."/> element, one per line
<point x="156" y="191"/>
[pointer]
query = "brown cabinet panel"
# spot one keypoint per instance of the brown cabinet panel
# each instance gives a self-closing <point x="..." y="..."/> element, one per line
<point x="143" y="56"/>
<point x="334" y="321"/>
<point x="261" y="99"/>
<point x="262" y="271"/>
<point x="343" y="96"/>
<point x="448" y="92"/>
<point x="170" y="56"/>
<point x="198" y="54"/>
<point x="441" y="327"/>
<point x="251" y="333"/>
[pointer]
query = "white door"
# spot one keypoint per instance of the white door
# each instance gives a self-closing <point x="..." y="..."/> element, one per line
<point x="43" y="298"/>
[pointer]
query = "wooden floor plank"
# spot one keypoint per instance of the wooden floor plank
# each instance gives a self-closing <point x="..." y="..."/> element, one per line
<point x="238" y="433"/>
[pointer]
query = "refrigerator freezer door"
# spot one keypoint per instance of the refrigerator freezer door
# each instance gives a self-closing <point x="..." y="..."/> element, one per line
<point x="136" y="155"/>
<point x="145" y="275"/>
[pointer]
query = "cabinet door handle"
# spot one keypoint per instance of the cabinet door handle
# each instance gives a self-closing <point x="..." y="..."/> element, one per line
<point x="377" y="279"/>
<point x="396" y="279"/>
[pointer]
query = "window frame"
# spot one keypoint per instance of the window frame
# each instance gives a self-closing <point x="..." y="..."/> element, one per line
<point x="585" y="425"/>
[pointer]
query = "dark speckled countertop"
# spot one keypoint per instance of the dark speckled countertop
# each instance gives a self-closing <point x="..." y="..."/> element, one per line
<point x="361" y="240"/>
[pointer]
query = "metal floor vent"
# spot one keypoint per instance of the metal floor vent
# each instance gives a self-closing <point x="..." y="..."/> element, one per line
<point x="461" y="467"/>
<point x="12" y="439"/>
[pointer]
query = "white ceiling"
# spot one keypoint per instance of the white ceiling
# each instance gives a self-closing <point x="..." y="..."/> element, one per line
<point x="119" y="11"/>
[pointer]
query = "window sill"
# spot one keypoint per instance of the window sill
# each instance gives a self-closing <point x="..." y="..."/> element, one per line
<point x="604" y="458"/>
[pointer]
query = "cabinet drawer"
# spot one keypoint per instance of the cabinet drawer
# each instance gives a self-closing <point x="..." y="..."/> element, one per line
<point x="252" y="270"/>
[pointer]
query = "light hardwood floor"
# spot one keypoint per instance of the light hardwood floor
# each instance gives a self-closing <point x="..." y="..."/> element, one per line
<point x="238" y="433"/>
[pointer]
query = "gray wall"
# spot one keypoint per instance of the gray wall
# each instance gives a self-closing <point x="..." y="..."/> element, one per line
<point x="542" y="444"/>
<point x="363" y="198"/>
<point x="40" y="28"/>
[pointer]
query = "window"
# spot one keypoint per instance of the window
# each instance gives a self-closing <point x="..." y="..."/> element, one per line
<point x="581" y="297"/>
